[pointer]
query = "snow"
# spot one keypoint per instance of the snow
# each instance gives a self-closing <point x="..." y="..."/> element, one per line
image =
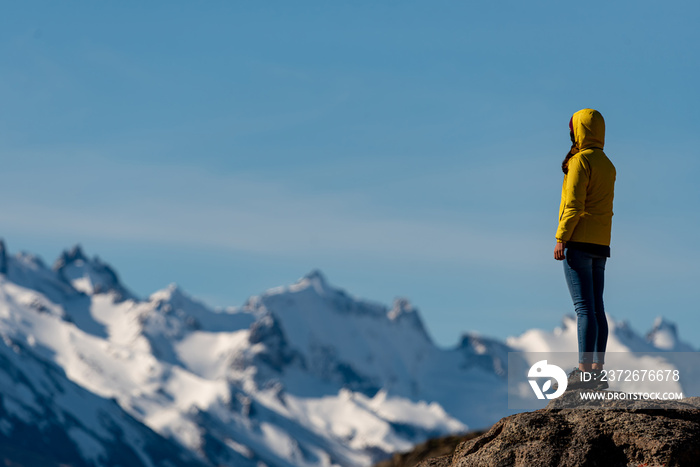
<point x="238" y="447"/>
<point x="302" y="375"/>
<point x="207" y="353"/>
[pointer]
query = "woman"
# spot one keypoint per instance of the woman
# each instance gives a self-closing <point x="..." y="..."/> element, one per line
<point x="583" y="238"/>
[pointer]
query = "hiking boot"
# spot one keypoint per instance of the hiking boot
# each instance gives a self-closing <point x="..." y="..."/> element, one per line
<point x="577" y="380"/>
<point x="597" y="376"/>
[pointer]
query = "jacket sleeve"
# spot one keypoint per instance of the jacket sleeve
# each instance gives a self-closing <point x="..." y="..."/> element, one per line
<point x="573" y="197"/>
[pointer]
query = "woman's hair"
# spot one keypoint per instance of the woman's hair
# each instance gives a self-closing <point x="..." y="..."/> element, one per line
<point x="570" y="154"/>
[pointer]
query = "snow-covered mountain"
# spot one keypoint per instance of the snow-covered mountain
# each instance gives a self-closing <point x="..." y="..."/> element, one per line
<point x="302" y="375"/>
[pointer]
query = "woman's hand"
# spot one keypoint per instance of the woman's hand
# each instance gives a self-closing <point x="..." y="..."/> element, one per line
<point x="559" y="251"/>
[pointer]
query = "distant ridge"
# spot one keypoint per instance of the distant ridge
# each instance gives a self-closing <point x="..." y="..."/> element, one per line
<point x="303" y="375"/>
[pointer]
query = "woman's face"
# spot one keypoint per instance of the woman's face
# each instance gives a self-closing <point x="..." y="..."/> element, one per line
<point x="571" y="131"/>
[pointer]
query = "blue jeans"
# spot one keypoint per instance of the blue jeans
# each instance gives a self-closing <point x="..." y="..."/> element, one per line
<point x="584" y="274"/>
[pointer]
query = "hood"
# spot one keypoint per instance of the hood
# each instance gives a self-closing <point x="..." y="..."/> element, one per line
<point x="589" y="129"/>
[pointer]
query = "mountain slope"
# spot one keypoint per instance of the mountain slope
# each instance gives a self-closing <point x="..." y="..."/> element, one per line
<point x="42" y="412"/>
<point x="225" y="385"/>
<point x="302" y="375"/>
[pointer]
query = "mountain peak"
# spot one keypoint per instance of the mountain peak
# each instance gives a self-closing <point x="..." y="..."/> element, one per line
<point x="403" y="311"/>
<point x="171" y="293"/>
<point x="315" y="274"/>
<point x="662" y="323"/>
<point x="74" y="255"/>
<point x="3" y="257"/>
<point x="90" y="276"/>
<point x="174" y="290"/>
<point x="314" y="279"/>
<point x="402" y="307"/>
<point x="664" y="334"/>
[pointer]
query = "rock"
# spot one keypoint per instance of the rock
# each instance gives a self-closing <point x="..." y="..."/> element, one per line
<point x="443" y="447"/>
<point x="443" y="461"/>
<point x="3" y="257"/>
<point x="613" y="433"/>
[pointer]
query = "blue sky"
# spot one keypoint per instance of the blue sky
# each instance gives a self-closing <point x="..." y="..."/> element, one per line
<point x="403" y="148"/>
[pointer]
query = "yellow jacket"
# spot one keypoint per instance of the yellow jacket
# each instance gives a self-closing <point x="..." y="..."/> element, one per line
<point x="586" y="210"/>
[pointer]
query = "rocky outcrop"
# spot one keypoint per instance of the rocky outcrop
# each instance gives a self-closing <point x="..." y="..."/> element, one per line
<point x="610" y="433"/>
<point x="90" y="276"/>
<point x="431" y="449"/>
